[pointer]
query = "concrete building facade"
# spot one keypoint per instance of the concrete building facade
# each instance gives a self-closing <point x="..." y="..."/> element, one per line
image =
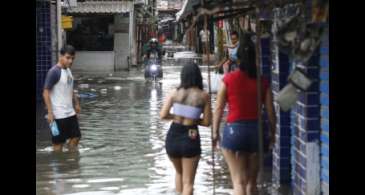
<point x="121" y="54"/>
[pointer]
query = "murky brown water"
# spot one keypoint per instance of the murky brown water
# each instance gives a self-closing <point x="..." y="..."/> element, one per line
<point x="122" y="147"/>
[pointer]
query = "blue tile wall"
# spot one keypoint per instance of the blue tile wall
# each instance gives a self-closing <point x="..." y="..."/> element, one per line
<point x="309" y="98"/>
<point x="324" y="99"/>
<point x="306" y="123"/>
<point x="310" y="121"/>
<point x="281" y="152"/>
<point x="43" y="45"/>
<point x="266" y="57"/>
<point x="266" y="72"/>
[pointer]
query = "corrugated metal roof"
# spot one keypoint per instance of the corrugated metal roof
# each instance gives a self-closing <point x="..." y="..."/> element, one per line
<point x="112" y="7"/>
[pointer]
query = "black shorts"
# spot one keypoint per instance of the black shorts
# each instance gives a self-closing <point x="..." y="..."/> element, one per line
<point x="183" y="141"/>
<point x="68" y="127"/>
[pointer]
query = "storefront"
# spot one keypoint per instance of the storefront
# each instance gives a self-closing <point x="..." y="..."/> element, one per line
<point x="102" y="33"/>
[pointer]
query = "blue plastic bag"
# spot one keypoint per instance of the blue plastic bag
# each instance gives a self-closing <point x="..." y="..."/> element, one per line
<point x="54" y="129"/>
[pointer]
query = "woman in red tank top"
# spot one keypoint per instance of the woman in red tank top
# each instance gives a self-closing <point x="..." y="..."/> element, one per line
<point x="239" y="141"/>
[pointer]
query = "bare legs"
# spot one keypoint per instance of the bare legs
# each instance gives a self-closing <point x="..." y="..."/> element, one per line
<point x="177" y="162"/>
<point x="72" y="145"/>
<point x="252" y="170"/>
<point x="185" y="174"/>
<point x="237" y="167"/>
<point x="57" y="147"/>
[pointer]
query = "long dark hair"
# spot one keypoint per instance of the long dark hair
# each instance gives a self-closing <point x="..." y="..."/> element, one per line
<point x="247" y="54"/>
<point x="191" y="76"/>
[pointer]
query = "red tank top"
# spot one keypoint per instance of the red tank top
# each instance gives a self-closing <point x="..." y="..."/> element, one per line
<point x="242" y="96"/>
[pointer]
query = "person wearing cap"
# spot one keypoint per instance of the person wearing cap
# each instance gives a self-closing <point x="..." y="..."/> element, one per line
<point x="150" y="47"/>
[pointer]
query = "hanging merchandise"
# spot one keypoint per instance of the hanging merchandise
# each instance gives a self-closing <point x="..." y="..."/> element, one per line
<point x="220" y="44"/>
<point x="215" y="81"/>
<point x="309" y="41"/>
<point x="296" y="38"/>
<point x="227" y="29"/>
<point x="288" y="32"/>
<point x="298" y="82"/>
<point x="299" y="40"/>
<point x="287" y="97"/>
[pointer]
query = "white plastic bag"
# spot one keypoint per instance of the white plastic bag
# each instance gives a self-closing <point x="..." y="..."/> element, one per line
<point x="215" y="80"/>
<point x="298" y="82"/>
<point x="287" y="97"/>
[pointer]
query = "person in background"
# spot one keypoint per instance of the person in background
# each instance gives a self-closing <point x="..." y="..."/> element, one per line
<point x="62" y="104"/>
<point x="239" y="141"/>
<point x="162" y="38"/>
<point x="230" y="62"/>
<point x="152" y="47"/>
<point x="188" y="101"/>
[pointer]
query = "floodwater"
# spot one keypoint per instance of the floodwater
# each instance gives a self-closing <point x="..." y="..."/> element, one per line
<point x="122" y="147"/>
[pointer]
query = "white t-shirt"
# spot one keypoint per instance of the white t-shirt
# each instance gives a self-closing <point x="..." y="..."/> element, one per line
<point x="60" y="83"/>
<point x="203" y="36"/>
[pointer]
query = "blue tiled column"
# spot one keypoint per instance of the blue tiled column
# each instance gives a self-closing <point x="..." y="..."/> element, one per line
<point x="324" y="88"/>
<point x="265" y="57"/>
<point x="305" y="126"/>
<point x="266" y="72"/>
<point x="43" y="44"/>
<point x="281" y="152"/>
<point x="266" y="64"/>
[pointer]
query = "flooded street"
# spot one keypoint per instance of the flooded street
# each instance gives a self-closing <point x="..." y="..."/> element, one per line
<point x="122" y="150"/>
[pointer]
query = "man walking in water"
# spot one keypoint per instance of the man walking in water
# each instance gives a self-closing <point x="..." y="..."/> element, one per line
<point x="61" y="102"/>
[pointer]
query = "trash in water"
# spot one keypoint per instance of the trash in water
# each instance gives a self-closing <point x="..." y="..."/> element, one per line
<point x="115" y="78"/>
<point x="103" y="91"/>
<point x="47" y="149"/>
<point x="93" y="90"/>
<point x="117" y="87"/>
<point x="87" y="95"/>
<point x="84" y="86"/>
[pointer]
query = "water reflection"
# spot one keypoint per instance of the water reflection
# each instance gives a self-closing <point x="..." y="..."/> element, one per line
<point x="62" y="170"/>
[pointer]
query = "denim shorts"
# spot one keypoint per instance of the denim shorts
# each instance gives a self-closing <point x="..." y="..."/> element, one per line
<point x="241" y="136"/>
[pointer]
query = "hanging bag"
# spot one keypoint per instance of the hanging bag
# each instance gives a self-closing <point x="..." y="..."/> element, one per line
<point x="215" y="80"/>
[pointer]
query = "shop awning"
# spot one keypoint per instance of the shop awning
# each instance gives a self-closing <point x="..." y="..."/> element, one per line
<point x="186" y="9"/>
<point x="101" y="7"/>
<point x="229" y="8"/>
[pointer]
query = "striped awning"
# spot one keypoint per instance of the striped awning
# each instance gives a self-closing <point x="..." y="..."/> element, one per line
<point x="101" y="7"/>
